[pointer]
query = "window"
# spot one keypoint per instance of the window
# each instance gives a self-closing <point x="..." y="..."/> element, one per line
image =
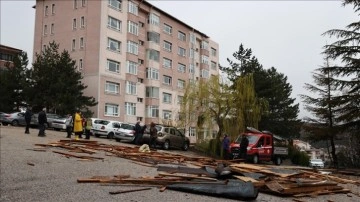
<point x="112" y="87"/>
<point x="152" y="92"/>
<point x="181" y="68"/>
<point x="192" y="68"/>
<point x="213" y="51"/>
<point x="204" y="45"/>
<point x="130" y="108"/>
<point x="115" y="4"/>
<point x="192" y="53"/>
<point x="114" y="23"/>
<point x="111" y="109"/>
<point x="154" y="19"/>
<point x="131" y="67"/>
<point x="140" y="61"/>
<point x="154" y="37"/>
<point x="75" y="4"/>
<point x="192" y="38"/>
<point x="152" y="111"/>
<point x="132" y="47"/>
<point x="53" y="9"/>
<point x="133" y="8"/>
<point x="205" y="73"/>
<point x="130" y="88"/>
<point x="180" y="99"/>
<point x="46" y="11"/>
<point x="192" y="131"/>
<point x="73" y="45"/>
<point x="167" y="97"/>
<point x="82" y="22"/>
<point x="181" y="51"/>
<point x="152" y="73"/>
<point x="181" y="83"/>
<point x="153" y="54"/>
<point x="113" y="66"/>
<point x="45" y="30"/>
<point x="181" y="36"/>
<point x="167" y="46"/>
<point x="74" y="24"/>
<point x="213" y="65"/>
<point x="80" y="64"/>
<point x="81" y="42"/>
<point x="83" y="3"/>
<point x="52" y="28"/>
<point x="133" y="28"/>
<point x="204" y="59"/>
<point x="167" y="63"/>
<point x="114" y="45"/>
<point x="167" y="80"/>
<point x="166" y="115"/>
<point x="167" y="29"/>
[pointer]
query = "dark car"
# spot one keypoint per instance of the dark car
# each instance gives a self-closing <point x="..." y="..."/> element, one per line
<point x="168" y="137"/>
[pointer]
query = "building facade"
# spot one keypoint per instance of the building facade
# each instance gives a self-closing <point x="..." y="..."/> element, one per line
<point x="7" y="55"/>
<point x="135" y="58"/>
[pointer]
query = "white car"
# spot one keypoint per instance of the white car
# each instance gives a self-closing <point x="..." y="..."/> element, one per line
<point x="106" y="128"/>
<point x="125" y="132"/>
<point x="316" y="163"/>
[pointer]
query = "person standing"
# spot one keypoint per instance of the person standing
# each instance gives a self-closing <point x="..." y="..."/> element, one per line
<point x="225" y="146"/>
<point x="153" y="135"/>
<point x="78" y="125"/>
<point x="28" y="115"/>
<point x="88" y="127"/>
<point x="243" y="147"/>
<point x="42" y="120"/>
<point x="138" y="133"/>
<point x="69" y="125"/>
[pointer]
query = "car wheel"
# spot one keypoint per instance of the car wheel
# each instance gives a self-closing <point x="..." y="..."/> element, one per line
<point x="185" y="146"/>
<point x="166" y="145"/>
<point x="256" y="159"/>
<point x="57" y="129"/>
<point x="97" y="135"/>
<point x="5" y="124"/>
<point x="278" y="160"/>
<point x="110" y="136"/>
<point x="117" y="139"/>
<point x="15" y="123"/>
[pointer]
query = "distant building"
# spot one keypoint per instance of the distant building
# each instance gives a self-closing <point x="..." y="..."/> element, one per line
<point x="7" y="54"/>
<point x="135" y="58"/>
<point x="312" y="152"/>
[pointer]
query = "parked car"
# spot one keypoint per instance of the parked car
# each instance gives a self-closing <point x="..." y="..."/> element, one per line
<point x="125" y="132"/>
<point x="316" y="163"/>
<point x="15" y="119"/>
<point x="106" y="128"/>
<point x="58" y="123"/>
<point x="50" y="118"/>
<point x="169" y="137"/>
<point x="2" y="115"/>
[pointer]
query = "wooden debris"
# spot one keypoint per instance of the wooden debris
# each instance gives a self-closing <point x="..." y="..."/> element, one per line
<point x="127" y="191"/>
<point x="31" y="164"/>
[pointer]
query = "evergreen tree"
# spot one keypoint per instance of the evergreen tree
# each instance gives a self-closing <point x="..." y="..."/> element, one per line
<point x="271" y="87"/>
<point x="13" y="82"/>
<point x="56" y="83"/>
<point x="323" y="126"/>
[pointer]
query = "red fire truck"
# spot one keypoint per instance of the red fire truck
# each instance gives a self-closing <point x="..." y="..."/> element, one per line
<point x="261" y="147"/>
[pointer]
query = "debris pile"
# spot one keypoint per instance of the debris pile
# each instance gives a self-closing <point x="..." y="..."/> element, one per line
<point x="204" y="175"/>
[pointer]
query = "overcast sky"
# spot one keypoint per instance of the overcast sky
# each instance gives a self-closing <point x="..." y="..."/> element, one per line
<point x="282" y="34"/>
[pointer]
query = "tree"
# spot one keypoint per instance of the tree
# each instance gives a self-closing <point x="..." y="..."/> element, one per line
<point x="56" y="83"/>
<point x="270" y="86"/>
<point x="13" y="82"/>
<point x="322" y="127"/>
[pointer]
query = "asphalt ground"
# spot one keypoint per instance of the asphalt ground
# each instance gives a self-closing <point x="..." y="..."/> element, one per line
<point x="27" y="175"/>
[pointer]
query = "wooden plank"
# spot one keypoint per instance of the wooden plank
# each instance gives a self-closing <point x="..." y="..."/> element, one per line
<point x="127" y="191"/>
<point x="187" y="176"/>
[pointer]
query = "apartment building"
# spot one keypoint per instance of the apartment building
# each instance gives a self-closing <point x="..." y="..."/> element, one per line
<point x="7" y="55"/>
<point x="135" y="58"/>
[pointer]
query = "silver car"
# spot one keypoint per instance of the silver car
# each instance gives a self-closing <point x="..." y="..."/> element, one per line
<point x="58" y="123"/>
<point x="105" y="128"/>
<point x="15" y="119"/>
<point x="125" y="132"/>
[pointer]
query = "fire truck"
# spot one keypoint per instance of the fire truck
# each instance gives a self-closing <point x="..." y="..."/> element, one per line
<point x="261" y="147"/>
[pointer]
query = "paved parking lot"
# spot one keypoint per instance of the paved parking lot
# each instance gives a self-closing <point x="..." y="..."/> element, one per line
<point x="27" y="175"/>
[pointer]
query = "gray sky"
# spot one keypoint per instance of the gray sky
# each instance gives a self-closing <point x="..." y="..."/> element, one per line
<point x="282" y="34"/>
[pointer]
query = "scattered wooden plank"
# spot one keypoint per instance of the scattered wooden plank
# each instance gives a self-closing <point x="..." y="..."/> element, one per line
<point x="127" y="191"/>
<point x="30" y="164"/>
<point x="187" y="176"/>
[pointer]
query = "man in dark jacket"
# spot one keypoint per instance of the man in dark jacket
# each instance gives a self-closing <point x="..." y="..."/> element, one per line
<point x="225" y="146"/>
<point x="139" y="132"/>
<point x="28" y="115"/>
<point x="42" y="120"/>
<point x="243" y="147"/>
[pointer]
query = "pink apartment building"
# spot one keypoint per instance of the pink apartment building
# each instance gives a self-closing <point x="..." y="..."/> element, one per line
<point x="135" y="58"/>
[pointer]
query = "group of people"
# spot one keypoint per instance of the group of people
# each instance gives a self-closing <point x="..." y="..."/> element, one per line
<point x="42" y="119"/>
<point x="79" y="125"/>
<point x="243" y="147"/>
<point x="139" y="132"/>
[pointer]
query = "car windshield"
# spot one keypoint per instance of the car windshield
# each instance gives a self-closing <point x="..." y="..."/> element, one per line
<point x="252" y="139"/>
<point x="103" y="122"/>
<point x="127" y="126"/>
